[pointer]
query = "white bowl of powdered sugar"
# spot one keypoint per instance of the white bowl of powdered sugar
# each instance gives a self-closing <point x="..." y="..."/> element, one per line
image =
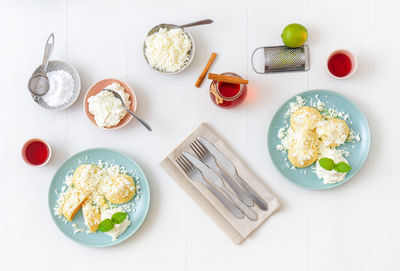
<point x="65" y="86"/>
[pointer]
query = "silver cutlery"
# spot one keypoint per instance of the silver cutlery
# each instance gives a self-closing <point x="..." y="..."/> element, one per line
<point x="116" y="95"/>
<point x="195" y="175"/>
<point x="213" y="177"/>
<point x="230" y="168"/>
<point x="209" y="160"/>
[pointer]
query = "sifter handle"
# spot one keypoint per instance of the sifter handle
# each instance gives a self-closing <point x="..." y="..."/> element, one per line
<point x="47" y="52"/>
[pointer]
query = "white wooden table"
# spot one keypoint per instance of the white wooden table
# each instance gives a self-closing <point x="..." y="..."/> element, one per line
<point x="353" y="227"/>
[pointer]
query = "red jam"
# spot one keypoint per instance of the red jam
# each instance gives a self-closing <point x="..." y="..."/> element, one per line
<point x="228" y="89"/>
<point x="37" y="152"/>
<point x="340" y="65"/>
<point x="230" y="95"/>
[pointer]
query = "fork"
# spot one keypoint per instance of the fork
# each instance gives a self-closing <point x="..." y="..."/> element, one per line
<point x="195" y="175"/>
<point x="207" y="158"/>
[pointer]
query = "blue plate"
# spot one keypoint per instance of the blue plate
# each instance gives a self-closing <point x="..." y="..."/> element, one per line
<point x="136" y="216"/>
<point x="305" y="177"/>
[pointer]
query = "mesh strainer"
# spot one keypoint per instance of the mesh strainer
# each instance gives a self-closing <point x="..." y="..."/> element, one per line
<point x="280" y="59"/>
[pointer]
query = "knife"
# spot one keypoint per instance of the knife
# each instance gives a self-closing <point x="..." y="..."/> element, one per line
<point x="227" y="164"/>
<point x="213" y="177"/>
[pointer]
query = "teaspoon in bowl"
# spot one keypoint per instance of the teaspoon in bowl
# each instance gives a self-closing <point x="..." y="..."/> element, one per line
<point x="170" y="26"/>
<point x="206" y="21"/>
<point x="116" y="95"/>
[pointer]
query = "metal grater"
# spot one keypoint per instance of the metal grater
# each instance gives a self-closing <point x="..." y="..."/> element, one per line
<point x="283" y="59"/>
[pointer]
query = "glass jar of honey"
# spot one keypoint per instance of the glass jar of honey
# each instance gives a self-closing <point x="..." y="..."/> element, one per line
<point x="227" y="95"/>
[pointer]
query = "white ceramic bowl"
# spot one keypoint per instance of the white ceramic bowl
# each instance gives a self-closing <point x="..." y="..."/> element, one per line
<point x="191" y="52"/>
<point x="55" y="65"/>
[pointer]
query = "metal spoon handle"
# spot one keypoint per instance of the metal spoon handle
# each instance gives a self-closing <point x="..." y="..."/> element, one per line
<point x="257" y="199"/>
<point x="229" y="205"/>
<point x="47" y="52"/>
<point x="145" y="124"/>
<point x="207" y="21"/>
<point x="246" y="210"/>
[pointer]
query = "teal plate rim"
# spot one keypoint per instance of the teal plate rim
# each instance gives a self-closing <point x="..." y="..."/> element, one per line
<point x="132" y="228"/>
<point x="365" y="135"/>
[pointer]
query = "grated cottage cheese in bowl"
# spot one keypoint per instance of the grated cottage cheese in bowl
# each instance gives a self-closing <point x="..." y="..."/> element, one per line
<point x="106" y="108"/>
<point x="168" y="50"/>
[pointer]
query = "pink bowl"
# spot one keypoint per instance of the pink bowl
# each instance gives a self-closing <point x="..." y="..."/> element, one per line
<point x="98" y="87"/>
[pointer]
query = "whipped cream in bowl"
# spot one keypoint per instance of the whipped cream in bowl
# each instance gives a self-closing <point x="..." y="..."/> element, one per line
<point x="106" y="111"/>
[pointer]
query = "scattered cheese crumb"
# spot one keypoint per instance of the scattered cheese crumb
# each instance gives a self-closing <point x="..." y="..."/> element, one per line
<point x="76" y="229"/>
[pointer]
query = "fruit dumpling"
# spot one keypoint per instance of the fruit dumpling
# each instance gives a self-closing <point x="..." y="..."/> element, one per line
<point x="84" y="179"/>
<point x="91" y="215"/>
<point x="73" y="203"/>
<point x="303" y="151"/>
<point x="305" y="117"/>
<point x="119" y="189"/>
<point x="332" y="132"/>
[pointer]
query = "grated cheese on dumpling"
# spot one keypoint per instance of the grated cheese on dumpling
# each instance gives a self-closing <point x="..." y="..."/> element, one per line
<point x="333" y="132"/>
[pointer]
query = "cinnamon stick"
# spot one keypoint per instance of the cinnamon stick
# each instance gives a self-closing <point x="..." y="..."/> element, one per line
<point x="227" y="79"/>
<point x="203" y="74"/>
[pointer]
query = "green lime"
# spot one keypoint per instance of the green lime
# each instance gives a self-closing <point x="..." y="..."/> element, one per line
<point x="294" y="35"/>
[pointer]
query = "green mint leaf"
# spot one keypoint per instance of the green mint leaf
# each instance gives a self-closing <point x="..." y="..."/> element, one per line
<point x="342" y="167"/>
<point x="326" y="163"/>
<point x="117" y="218"/>
<point x="106" y="225"/>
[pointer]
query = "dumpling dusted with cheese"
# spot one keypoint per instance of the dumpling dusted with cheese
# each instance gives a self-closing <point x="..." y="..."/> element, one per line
<point x="119" y="189"/>
<point x="73" y="203"/>
<point x="333" y="132"/>
<point x="305" y="118"/>
<point x="91" y="214"/>
<point x="84" y="178"/>
<point x="303" y="150"/>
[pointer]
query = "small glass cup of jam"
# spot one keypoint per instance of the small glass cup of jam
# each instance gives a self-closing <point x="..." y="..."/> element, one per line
<point x="341" y="64"/>
<point x="36" y="152"/>
<point x="227" y="95"/>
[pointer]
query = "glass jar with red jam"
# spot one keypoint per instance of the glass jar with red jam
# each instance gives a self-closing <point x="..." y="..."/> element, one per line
<point x="227" y="95"/>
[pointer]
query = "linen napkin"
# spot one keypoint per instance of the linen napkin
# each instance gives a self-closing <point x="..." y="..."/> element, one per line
<point x="237" y="229"/>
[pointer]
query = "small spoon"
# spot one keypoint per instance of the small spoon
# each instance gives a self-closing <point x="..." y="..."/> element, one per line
<point x="38" y="84"/>
<point x="207" y="21"/>
<point x="116" y="95"/>
<point x="170" y="26"/>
